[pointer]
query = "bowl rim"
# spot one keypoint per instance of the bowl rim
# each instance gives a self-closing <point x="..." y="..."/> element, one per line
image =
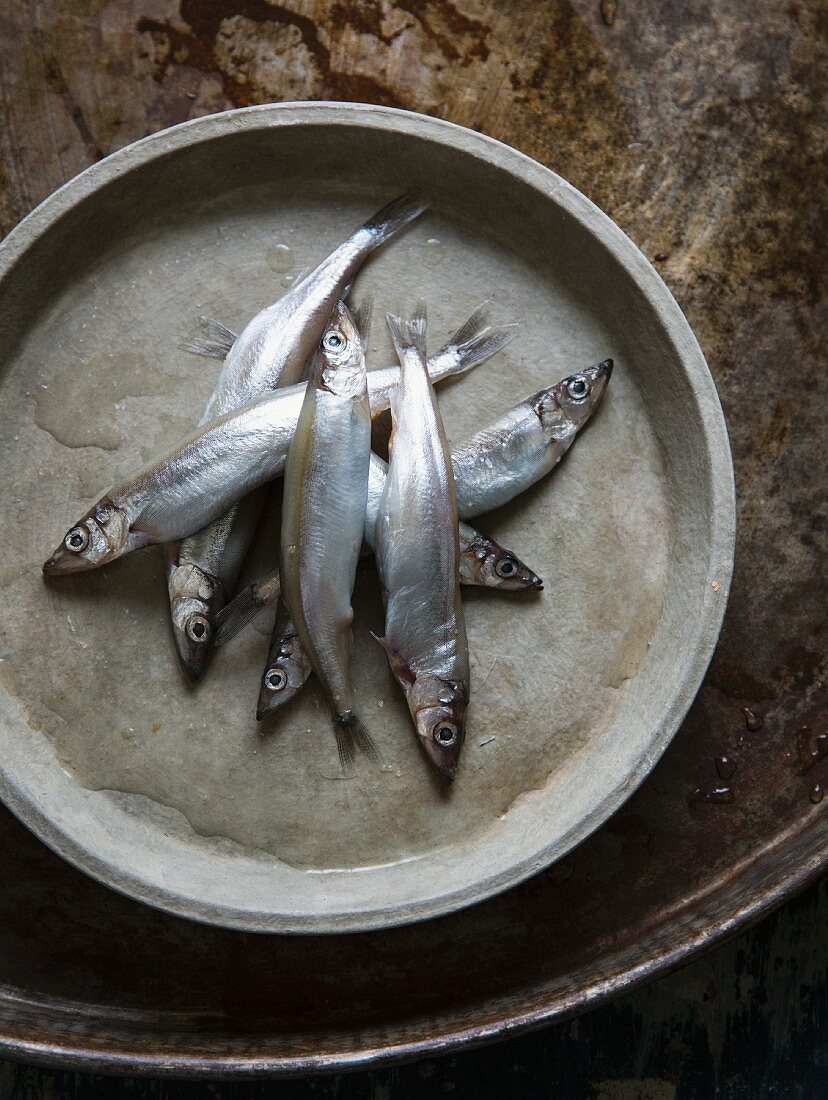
<point x="720" y="476"/>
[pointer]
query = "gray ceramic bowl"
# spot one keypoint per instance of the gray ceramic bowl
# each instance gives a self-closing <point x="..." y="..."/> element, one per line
<point x="176" y="796"/>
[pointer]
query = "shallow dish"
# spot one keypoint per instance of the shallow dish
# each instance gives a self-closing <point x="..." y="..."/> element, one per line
<point x="176" y="796"/>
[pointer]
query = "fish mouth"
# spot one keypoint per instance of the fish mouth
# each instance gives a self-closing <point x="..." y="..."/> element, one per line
<point x="63" y="562"/>
<point x="193" y="654"/>
<point x="602" y="372"/>
<point x="444" y="761"/>
<point x="271" y="701"/>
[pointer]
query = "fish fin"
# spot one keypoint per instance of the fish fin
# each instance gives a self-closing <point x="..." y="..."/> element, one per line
<point x="477" y="340"/>
<point x="241" y="610"/>
<point x="362" y="317"/>
<point x="353" y="737"/>
<point x="400" y="667"/>
<point x="409" y="334"/>
<point x="216" y="342"/>
<point x="150" y="521"/>
<point x="396" y="215"/>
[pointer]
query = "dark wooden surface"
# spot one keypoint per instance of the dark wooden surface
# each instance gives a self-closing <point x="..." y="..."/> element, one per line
<point x="697" y="125"/>
<point x="747" y="1021"/>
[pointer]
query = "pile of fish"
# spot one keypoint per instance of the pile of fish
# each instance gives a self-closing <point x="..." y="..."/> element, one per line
<point x="294" y="397"/>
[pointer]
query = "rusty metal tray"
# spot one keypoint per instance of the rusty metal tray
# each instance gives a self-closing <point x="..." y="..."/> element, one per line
<point x="728" y="823"/>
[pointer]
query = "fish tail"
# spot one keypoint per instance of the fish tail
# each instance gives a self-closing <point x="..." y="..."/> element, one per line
<point x="353" y="737"/>
<point x="473" y="347"/>
<point x="409" y="334"/>
<point x="242" y="609"/>
<point x="396" y="215"/>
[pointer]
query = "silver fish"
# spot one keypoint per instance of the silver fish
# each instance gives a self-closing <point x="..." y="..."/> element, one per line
<point x="417" y="552"/>
<point x="323" y="517"/>
<point x="484" y="563"/>
<point x="287" y="666"/>
<point x="210" y="560"/>
<point x="218" y="464"/>
<point x="522" y="446"/>
<point x="490" y="469"/>
<point x="271" y="351"/>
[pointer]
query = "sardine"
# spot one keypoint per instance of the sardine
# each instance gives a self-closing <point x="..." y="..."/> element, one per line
<point x="323" y="518"/>
<point x="271" y="351"/>
<point x="522" y="446"/>
<point x="490" y="469"/>
<point x="418" y="557"/>
<point x="287" y="666"/>
<point x="217" y="465"/>
<point x="209" y="561"/>
<point x="484" y="563"/>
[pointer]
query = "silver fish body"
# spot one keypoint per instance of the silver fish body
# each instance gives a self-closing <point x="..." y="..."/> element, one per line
<point x="229" y="537"/>
<point x="523" y="445"/>
<point x="206" y="474"/>
<point x="323" y="517"/>
<point x="417" y="552"/>
<point x="271" y="351"/>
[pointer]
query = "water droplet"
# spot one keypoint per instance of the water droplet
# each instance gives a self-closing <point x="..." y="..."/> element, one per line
<point x="807" y="755"/>
<point x="434" y="252"/>
<point x="287" y="280"/>
<point x="280" y="258"/>
<point x="753" y="721"/>
<point x="817" y="793"/>
<point x="718" y="796"/>
<point x="725" y="766"/>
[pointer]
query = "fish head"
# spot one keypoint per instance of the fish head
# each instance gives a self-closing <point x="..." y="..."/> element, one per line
<point x="195" y="600"/>
<point x="565" y="407"/>
<point x="100" y="536"/>
<point x="340" y="361"/>
<point x="284" y="676"/>
<point x="438" y="708"/>
<point x="487" y="564"/>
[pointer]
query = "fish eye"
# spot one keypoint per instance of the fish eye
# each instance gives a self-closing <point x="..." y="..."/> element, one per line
<point x="77" y="540"/>
<point x="333" y="340"/>
<point x="445" y="733"/>
<point x="275" y="679"/>
<point x="506" y="567"/>
<point x="198" y="628"/>
<point x="578" y="387"/>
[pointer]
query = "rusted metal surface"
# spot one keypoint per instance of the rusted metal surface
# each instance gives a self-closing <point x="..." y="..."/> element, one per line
<point x="696" y="127"/>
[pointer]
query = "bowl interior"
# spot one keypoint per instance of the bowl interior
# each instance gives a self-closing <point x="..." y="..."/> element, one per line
<point x="176" y="794"/>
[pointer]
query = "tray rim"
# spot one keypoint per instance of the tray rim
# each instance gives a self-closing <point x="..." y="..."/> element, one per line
<point x="119" y="1059"/>
<point x="717" y="448"/>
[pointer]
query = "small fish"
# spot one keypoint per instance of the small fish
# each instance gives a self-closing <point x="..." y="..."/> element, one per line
<point x="323" y="517"/>
<point x="287" y="666"/>
<point x="418" y="551"/>
<point x="211" y="558"/>
<point x="522" y="446"/>
<point x="201" y="478"/>
<point x="484" y="563"/>
<point x="271" y="351"/>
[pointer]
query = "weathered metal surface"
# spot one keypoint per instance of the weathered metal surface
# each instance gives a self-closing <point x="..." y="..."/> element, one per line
<point x="696" y="127"/>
